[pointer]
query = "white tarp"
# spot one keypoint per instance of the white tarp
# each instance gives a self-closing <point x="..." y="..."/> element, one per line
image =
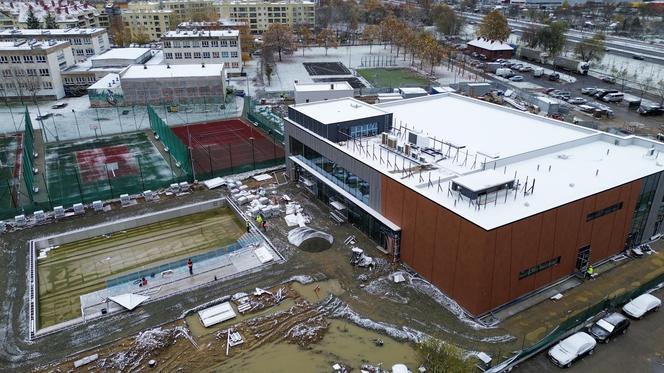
<point x="129" y="300"/>
<point x="214" y="183"/>
<point x="215" y="315"/>
<point x="262" y="177"/>
<point x="263" y="254"/>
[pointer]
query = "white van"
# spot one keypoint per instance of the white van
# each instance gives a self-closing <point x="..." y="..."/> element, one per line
<point x="613" y="97"/>
<point x="504" y="72"/>
<point x="538" y="72"/>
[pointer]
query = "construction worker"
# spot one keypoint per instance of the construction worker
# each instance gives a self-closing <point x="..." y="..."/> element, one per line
<point x="248" y="227"/>
<point x="259" y="219"/>
<point x="190" y="264"/>
<point x="589" y="271"/>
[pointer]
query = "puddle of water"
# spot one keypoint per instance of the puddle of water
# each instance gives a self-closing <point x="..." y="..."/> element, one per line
<point x="197" y="330"/>
<point x="344" y="342"/>
<point x="326" y="288"/>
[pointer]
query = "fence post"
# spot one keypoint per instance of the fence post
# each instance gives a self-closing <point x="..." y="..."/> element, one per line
<point x="80" y="190"/>
<point x="230" y="155"/>
<point x="108" y="178"/>
<point x="48" y="195"/>
<point x="210" y="159"/>
<point x="140" y="171"/>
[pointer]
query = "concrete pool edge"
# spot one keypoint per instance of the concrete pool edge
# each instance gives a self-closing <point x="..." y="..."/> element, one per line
<point x="34" y="245"/>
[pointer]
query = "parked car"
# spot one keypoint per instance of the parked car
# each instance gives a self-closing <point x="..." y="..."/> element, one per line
<point x="588" y="90"/>
<point x="516" y="78"/>
<point x="44" y="116"/>
<point x="603" y="92"/>
<point x="609" y="79"/>
<point x="516" y="66"/>
<point x="609" y="327"/>
<point x="538" y="72"/>
<point x="549" y="90"/>
<point x="554" y="77"/>
<point x="60" y="105"/>
<point x="577" y="100"/>
<point x="638" y="57"/>
<point x="650" y="109"/>
<point x="613" y="97"/>
<point x="572" y="348"/>
<point x="239" y="92"/>
<point x="526" y="69"/>
<point x="641" y="305"/>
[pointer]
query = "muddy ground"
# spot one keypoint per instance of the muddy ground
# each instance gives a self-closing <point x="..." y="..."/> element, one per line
<point x="405" y="311"/>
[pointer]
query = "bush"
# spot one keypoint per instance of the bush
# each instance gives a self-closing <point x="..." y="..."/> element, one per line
<point x="441" y="357"/>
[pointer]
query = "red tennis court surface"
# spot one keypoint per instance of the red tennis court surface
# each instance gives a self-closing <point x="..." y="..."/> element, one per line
<point x="103" y="163"/>
<point x="227" y="144"/>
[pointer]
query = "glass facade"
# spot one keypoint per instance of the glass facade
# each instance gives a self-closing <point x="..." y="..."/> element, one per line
<point x="643" y="206"/>
<point x="345" y="179"/>
<point x="372" y="227"/>
<point x="364" y="130"/>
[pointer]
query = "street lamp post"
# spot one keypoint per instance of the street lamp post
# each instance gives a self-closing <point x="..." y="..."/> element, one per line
<point x="78" y="129"/>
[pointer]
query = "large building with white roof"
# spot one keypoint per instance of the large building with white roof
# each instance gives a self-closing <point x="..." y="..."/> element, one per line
<point x="488" y="203"/>
<point x="209" y="46"/>
<point x="85" y="42"/>
<point x="34" y="67"/>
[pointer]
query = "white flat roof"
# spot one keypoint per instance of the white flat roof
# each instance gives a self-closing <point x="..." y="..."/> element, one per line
<point x="313" y="87"/>
<point x="413" y="90"/>
<point x="10" y="45"/>
<point x="216" y="314"/>
<point x="122" y="53"/>
<point x="566" y="162"/>
<point x="112" y="79"/>
<point x="173" y="71"/>
<point x="339" y="110"/>
<point x="201" y="33"/>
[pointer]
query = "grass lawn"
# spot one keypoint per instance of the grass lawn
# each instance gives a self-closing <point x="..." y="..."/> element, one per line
<point x="394" y="78"/>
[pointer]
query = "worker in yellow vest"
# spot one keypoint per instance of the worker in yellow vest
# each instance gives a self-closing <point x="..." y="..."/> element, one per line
<point x="590" y="271"/>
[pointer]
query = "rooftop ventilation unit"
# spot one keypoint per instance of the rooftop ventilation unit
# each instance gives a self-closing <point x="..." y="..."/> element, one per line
<point x="19" y="42"/>
<point x="392" y="142"/>
<point x="383" y="138"/>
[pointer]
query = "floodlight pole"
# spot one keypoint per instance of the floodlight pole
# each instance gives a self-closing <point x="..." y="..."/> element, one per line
<point x="78" y="129"/>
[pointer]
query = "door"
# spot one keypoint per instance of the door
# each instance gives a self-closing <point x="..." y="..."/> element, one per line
<point x="582" y="258"/>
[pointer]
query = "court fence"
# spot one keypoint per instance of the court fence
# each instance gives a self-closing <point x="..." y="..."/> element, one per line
<point x="172" y="143"/>
<point x="263" y="117"/>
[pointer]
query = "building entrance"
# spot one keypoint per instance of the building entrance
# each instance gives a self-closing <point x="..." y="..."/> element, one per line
<point x="582" y="259"/>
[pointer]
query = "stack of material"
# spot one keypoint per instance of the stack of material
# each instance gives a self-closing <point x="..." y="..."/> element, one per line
<point x="214" y="315"/>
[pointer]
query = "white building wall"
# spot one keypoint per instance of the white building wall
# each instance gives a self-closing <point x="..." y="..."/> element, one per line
<point x="302" y="97"/>
<point x="204" y="49"/>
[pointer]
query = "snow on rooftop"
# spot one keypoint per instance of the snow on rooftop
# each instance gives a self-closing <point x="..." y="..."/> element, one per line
<point x="112" y="79"/>
<point x="492" y="130"/>
<point x="201" y="33"/>
<point x="62" y="10"/>
<point x="53" y="32"/>
<point x="11" y="45"/>
<point x="564" y="162"/>
<point x="173" y="71"/>
<point x="340" y="110"/>
<point x="313" y="87"/>
<point x="491" y="45"/>
<point x="122" y="53"/>
<point x="413" y="90"/>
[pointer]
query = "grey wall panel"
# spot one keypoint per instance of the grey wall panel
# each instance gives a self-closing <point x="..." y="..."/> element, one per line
<point x="345" y="160"/>
<point x="649" y="229"/>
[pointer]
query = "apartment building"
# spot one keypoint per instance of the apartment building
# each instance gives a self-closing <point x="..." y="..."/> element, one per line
<point x="85" y="42"/>
<point x="67" y="14"/>
<point x="6" y="21"/>
<point x="29" y="67"/>
<point x="152" y="22"/>
<point x="448" y="185"/>
<point x="212" y="46"/>
<point x="259" y="15"/>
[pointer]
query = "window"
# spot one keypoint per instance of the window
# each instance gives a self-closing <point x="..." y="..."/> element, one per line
<point x="235" y="64"/>
<point x="168" y="55"/>
<point x="27" y="59"/>
<point x="41" y="59"/>
<point x="185" y="44"/>
<point x="215" y="54"/>
<point x="44" y="72"/>
<point x="7" y="73"/>
<point x="224" y="43"/>
<point x="167" y="44"/>
<point x="364" y="130"/>
<point x="214" y="43"/>
<point x="16" y="59"/>
<point x="233" y="43"/>
<point x="31" y="72"/>
<point x="538" y="268"/>
<point x="176" y="44"/>
<point x="195" y="44"/>
<point x="187" y="55"/>
<point x="48" y="85"/>
<point x="206" y="54"/>
<point x="87" y="41"/>
<point x="178" y="55"/>
<point x="605" y="211"/>
<point x="205" y="43"/>
<point x="4" y="59"/>
<point x="197" y="55"/>
<point x="224" y="54"/>
<point x="89" y="52"/>
<point x="234" y="54"/>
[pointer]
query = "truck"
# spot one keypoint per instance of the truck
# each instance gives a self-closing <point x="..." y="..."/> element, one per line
<point x="504" y="72"/>
<point x="491" y="67"/>
<point x="570" y="64"/>
<point x="532" y="54"/>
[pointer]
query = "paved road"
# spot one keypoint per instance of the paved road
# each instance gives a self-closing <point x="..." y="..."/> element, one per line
<point x="640" y="350"/>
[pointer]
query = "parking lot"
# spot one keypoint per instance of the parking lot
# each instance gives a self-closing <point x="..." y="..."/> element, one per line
<point x="641" y="349"/>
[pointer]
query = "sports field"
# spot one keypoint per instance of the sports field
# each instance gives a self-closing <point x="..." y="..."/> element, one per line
<point x="227" y="145"/>
<point x="394" y="78"/>
<point x="104" y="168"/>
<point x="10" y="168"/>
<point x="81" y="267"/>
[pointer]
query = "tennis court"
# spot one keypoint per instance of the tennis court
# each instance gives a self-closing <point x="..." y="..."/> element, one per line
<point x="229" y="146"/>
<point x="10" y="169"/>
<point x="84" y="171"/>
<point x="326" y="68"/>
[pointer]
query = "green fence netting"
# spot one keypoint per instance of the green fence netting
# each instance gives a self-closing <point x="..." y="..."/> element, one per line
<point x="28" y="155"/>
<point x="265" y="119"/>
<point x="175" y="147"/>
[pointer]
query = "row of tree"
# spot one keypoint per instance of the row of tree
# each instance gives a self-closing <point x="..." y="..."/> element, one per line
<point x="32" y="22"/>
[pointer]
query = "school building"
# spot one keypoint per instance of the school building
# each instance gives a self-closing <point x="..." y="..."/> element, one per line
<point x="488" y="203"/>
